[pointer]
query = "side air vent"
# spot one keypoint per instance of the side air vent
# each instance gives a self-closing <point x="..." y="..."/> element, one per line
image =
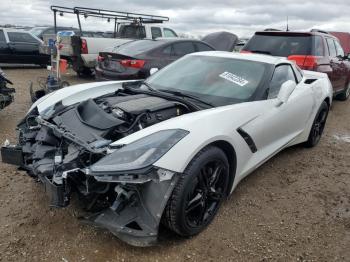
<point x="247" y="138"/>
<point x="309" y="81"/>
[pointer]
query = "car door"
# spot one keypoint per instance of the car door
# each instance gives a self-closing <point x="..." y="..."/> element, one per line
<point x="166" y="55"/>
<point x="282" y="123"/>
<point x="160" y="57"/>
<point x="24" y="48"/>
<point x="5" y="52"/>
<point x="156" y="32"/>
<point x="336" y="64"/>
<point x="343" y="75"/>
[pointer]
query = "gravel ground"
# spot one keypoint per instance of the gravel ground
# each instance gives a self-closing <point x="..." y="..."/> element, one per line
<point x="296" y="207"/>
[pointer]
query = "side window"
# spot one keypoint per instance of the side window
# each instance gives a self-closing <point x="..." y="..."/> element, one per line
<point x="331" y="47"/>
<point x="131" y="31"/>
<point x="282" y="74"/>
<point x="2" y="36"/>
<point x="203" y="47"/>
<point x="156" y="32"/>
<point x="169" y="33"/>
<point x="318" y="46"/>
<point x="340" y="51"/>
<point x="167" y="50"/>
<point x="181" y="49"/>
<point x="21" y="37"/>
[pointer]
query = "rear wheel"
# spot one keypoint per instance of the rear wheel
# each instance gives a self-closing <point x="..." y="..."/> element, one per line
<point x="199" y="193"/>
<point x="85" y="72"/>
<point x="344" y="95"/>
<point x="318" y="125"/>
<point x="64" y="84"/>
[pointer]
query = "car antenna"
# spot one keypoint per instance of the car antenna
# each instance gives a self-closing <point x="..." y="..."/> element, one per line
<point x="287" y="25"/>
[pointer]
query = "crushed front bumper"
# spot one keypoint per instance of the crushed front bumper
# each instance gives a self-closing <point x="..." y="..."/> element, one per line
<point x="135" y="222"/>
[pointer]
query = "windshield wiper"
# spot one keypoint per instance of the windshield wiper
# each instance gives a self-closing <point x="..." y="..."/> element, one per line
<point x="149" y="86"/>
<point x="178" y="93"/>
<point x="261" y="52"/>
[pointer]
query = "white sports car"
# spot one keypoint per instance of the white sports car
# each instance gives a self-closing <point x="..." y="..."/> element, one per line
<point x="171" y="148"/>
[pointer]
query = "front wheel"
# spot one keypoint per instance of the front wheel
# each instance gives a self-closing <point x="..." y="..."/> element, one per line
<point x="199" y="193"/>
<point x="318" y="125"/>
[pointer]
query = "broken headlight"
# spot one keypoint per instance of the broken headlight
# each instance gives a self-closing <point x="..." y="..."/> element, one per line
<point x="139" y="154"/>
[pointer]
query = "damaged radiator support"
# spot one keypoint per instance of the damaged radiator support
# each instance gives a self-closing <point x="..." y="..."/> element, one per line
<point x="73" y="138"/>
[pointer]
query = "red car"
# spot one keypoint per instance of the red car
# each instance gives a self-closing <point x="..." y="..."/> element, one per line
<point x="316" y="51"/>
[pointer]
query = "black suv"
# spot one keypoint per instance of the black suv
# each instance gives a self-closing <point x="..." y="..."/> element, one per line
<point x="316" y="51"/>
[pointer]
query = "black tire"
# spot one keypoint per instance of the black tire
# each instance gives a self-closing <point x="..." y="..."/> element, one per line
<point x="64" y="84"/>
<point x="195" y="199"/>
<point x="344" y="95"/>
<point x="85" y="72"/>
<point x="318" y="125"/>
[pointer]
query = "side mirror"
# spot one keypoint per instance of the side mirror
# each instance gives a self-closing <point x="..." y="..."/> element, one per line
<point x="286" y="90"/>
<point x="153" y="70"/>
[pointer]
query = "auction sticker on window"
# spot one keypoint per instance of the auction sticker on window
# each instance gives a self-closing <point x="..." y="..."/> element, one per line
<point x="234" y="79"/>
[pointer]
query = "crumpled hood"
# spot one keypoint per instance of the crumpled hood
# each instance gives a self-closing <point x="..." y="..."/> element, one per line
<point x="77" y="93"/>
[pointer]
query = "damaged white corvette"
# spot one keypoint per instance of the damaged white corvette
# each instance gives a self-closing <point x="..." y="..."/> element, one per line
<point x="171" y="148"/>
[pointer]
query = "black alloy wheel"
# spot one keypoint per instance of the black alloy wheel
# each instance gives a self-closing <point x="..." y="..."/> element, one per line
<point x="198" y="193"/>
<point x="318" y="125"/>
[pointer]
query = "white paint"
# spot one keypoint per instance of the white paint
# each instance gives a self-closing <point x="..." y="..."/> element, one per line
<point x="272" y="128"/>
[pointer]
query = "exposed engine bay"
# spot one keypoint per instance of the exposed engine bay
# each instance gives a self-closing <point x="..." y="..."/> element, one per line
<point x="59" y="147"/>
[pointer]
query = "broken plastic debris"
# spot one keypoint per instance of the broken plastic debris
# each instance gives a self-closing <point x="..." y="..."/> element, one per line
<point x="7" y="142"/>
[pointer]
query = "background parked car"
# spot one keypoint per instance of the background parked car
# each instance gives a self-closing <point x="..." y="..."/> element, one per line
<point x="315" y="50"/>
<point x="221" y="41"/>
<point x="344" y="39"/>
<point x="49" y="30"/>
<point x="133" y="60"/>
<point x="20" y="47"/>
<point x="83" y="51"/>
<point x="241" y="43"/>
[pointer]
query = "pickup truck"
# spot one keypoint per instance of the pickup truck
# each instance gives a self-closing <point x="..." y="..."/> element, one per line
<point x="21" y="47"/>
<point x="82" y="52"/>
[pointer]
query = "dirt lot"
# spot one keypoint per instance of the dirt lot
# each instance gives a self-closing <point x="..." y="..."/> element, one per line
<point x="294" y="208"/>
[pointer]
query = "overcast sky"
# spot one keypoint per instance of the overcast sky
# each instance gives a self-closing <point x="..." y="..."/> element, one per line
<point x="197" y="17"/>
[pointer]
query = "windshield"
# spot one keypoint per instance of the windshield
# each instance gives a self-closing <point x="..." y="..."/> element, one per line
<point x="37" y="31"/>
<point x="280" y="45"/>
<point x="215" y="80"/>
